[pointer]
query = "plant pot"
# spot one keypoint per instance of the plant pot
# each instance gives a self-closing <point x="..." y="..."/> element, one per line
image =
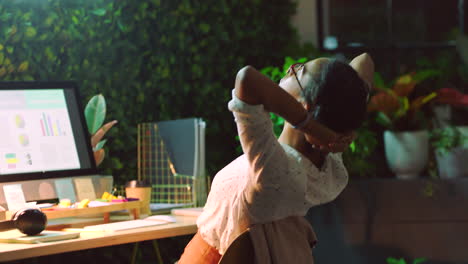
<point x="454" y="163"/>
<point x="406" y="152"/>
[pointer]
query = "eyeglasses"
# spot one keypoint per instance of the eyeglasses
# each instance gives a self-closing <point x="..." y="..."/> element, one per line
<point x="293" y="69"/>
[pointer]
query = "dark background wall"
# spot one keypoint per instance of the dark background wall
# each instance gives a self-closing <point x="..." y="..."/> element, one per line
<point x="376" y="219"/>
<point x="153" y="60"/>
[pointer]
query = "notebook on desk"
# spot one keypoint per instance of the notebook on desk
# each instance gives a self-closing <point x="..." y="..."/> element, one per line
<point x="15" y="236"/>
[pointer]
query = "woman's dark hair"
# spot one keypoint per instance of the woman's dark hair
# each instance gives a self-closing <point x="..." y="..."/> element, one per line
<point x="341" y="97"/>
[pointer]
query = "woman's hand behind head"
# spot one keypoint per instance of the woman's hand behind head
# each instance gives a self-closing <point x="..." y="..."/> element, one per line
<point x="325" y="139"/>
<point x="341" y="144"/>
<point x="364" y="66"/>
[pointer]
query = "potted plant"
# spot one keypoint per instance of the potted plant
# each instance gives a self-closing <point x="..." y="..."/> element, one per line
<point x="450" y="144"/>
<point x="401" y="112"/>
<point x="95" y="114"/>
<point x="449" y="141"/>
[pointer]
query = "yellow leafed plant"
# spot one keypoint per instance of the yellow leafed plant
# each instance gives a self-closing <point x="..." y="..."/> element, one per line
<point x="396" y="107"/>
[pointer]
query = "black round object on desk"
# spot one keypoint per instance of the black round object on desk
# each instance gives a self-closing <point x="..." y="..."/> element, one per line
<point x="29" y="221"/>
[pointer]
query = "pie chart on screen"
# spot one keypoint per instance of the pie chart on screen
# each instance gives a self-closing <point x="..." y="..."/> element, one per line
<point x="24" y="140"/>
<point x="19" y="120"/>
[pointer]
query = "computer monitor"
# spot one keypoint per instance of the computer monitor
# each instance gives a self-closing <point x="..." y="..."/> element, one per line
<point x="43" y="132"/>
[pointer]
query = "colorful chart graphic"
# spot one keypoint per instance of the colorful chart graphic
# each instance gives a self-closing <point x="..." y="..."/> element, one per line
<point x="24" y="140"/>
<point x="11" y="160"/>
<point x="19" y="120"/>
<point x="50" y="127"/>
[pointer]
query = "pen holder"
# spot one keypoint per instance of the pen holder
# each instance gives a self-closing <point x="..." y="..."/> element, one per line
<point x="142" y="191"/>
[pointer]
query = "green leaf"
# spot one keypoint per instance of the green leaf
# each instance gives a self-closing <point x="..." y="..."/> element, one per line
<point x="30" y="32"/>
<point x="404" y="107"/>
<point x="99" y="12"/>
<point x="205" y="28"/>
<point x="27" y="78"/>
<point x="95" y="113"/>
<point x="378" y="81"/>
<point x="419" y="260"/>
<point x="5" y="16"/>
<point x="100" y="145"/>
<point x="122" y="27"/>
<point x="302" y="60"/>
<point x="352" y="146"/>
<point x="383" y="119"/>
<point x="395" y="261"/>
<point x="278" y="123"/>
<point x="426" y="74"/>
<point x="49" y="20"/>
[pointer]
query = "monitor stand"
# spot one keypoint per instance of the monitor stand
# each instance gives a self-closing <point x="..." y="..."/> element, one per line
<point x="45" y="189"/>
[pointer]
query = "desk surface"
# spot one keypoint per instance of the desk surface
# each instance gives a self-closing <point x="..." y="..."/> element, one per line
<point x="185" y="225"/>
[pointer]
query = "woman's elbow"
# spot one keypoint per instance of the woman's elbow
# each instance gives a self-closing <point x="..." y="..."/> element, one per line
<point x="245" y="82"/>
<point x="244" y="74"/>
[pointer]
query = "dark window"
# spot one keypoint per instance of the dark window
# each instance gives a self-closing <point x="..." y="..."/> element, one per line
<point x="377" y="24"/>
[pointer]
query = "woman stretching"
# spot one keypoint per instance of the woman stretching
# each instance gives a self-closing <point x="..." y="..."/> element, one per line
<point x="323" y="102"/>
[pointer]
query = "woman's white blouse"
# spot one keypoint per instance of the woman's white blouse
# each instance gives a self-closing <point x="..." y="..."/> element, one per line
<point x="270" y="181"/>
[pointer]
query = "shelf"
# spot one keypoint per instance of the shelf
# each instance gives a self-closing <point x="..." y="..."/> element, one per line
<point x="133" y="208"/>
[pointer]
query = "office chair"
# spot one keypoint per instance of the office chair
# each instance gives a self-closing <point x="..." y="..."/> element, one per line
<point x="241" y="250"/>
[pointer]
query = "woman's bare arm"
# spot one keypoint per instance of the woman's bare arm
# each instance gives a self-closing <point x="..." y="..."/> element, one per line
<point x="254" y="88"/>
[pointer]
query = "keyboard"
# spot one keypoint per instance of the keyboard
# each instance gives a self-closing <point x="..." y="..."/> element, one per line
<point x="124" y="225"/>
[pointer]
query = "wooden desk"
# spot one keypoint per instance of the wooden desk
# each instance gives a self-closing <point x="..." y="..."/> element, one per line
<point x="185" y="225"/>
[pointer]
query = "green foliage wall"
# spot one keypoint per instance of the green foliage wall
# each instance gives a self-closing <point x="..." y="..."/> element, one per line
<point x="153" y="60"/>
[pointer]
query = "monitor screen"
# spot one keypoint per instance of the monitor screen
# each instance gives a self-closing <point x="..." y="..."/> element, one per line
<point x="43" y="132"/>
